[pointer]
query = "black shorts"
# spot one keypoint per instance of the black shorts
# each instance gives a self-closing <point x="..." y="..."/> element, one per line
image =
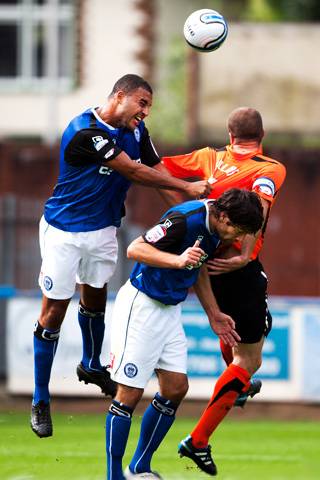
<point x="242" y="294"/>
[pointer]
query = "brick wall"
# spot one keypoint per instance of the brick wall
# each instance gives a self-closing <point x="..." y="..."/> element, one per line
<point x="291" y="254"/>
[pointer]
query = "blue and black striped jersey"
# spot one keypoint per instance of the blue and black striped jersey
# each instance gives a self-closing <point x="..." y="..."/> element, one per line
<point x="89" y="195"/>
<point x="178" y="229"/>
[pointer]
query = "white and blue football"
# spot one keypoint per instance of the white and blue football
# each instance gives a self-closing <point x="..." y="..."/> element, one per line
<point x="205" y="30"/>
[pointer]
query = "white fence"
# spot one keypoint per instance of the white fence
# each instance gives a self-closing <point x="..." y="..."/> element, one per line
<point x="290" y="370"/>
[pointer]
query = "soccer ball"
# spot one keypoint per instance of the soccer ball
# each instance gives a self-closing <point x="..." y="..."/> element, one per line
<point x="205" y="30"/>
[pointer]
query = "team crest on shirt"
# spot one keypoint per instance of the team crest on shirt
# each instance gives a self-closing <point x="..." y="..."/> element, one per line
<point x="136" y="132"/>
<point x="131" y="370"/>
<point x="99" y="142"/>
<point x="158" y="231"/>
<point x="47" y="283"/>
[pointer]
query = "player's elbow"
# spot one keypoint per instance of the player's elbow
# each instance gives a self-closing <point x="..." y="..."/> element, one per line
<point x="130" y="252"/>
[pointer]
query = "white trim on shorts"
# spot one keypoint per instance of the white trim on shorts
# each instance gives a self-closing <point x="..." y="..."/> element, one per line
<point x="145" y="335"/>
<point x="69" y="258"/>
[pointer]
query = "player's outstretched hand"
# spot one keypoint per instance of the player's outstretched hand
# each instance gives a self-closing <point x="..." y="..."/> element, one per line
<point x="225" y="265"/>
<point x="199" y="189"/>
<point x="191" y="256"/>
<point x="223" y="326"/>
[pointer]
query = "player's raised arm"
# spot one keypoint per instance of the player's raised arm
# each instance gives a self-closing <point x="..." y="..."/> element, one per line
<point x="150" y="177"/>
<point x="143" y="252"/>
<point x="170" y="197"/>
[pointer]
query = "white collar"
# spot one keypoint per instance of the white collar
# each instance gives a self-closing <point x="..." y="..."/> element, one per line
<point x="207" y="203"/>
<point x="95" y="113"/>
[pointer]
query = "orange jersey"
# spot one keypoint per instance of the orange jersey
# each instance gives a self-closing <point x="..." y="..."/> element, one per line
<point x="225" y="168"/>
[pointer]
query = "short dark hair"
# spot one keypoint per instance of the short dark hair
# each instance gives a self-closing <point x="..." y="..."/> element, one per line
<point x="243" y="208"/>
<point x="130" y="82"/>
<point x="245" y="123"/>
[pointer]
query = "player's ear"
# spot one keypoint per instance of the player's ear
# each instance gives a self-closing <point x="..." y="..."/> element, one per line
<point x="120" y="96"/>
<point x="231" y="138"/>
<point x="225" y="219"/>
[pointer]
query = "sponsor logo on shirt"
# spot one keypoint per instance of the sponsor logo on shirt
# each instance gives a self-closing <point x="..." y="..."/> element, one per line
<point x="168" y="223"/>
<point x="155" y="234"/>
<point x="158" y="231"/>
<point x="99" y="142"/>
<point x="136" y="132"/>
<point x="103" y="170"/>
<point x="109" y="153"/>
<point x="199" y="264"/>
<point x="212" y="180"/>
<point x="202" y="258"/>
<point x="225" y="168"/>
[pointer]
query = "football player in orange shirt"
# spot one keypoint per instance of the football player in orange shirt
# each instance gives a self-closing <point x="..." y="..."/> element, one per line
<point x="237" y="276"/>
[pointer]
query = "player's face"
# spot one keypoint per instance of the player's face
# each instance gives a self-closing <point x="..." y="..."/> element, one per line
<point x="226" y="230"/>
<point x="134" y="107"/>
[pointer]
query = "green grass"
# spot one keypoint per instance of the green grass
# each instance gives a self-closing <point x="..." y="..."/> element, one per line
<point x="253" y="450"/>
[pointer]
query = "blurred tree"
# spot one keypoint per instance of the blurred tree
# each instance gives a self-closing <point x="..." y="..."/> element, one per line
<point x="297" y="10"/>
<point x="266" y="10"/>
<point x="261" y="10"/>
<point x="167" y="120"/>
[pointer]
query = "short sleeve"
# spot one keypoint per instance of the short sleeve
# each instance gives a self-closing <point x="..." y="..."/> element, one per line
<point x="269" y="181"/>
<point x="91" y="145"/>
<point x="148" y="153"/>
<point x="168" y="234"/>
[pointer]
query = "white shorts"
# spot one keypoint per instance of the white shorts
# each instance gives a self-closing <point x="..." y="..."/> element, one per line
<point x="75" y="257"/>
<point x="145" y="335"/>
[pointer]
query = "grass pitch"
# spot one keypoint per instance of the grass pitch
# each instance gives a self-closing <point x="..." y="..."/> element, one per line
<point x="242" y="450"/>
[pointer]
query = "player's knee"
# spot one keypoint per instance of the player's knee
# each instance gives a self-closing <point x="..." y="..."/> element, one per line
<point x="256" y="365"/>
<point x="251" y="363"/>
<point x="255" y="362"/>
<point x="178" y="390"/>
<point x="129" y="396"/>
<point x="93" y="299"/>
<point x="52" y="317"/>
<point x="181" y="391"/>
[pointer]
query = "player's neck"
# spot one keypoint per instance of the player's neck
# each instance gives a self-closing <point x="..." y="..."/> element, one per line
<point x="247" y="146"/>
<point x="108" y="115"/>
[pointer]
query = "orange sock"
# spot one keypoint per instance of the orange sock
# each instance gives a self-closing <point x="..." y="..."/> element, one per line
<point x="233" y="380"/>
<point x="226" y="352"/>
